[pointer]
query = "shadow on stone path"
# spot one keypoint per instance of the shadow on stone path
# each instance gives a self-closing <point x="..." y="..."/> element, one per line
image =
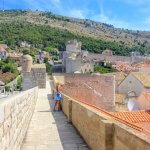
<point x="50" y="130"/>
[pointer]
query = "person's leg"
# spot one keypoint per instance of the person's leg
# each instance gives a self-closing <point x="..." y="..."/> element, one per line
<point x="58" y="105"/>
<point x="55" y="105"/>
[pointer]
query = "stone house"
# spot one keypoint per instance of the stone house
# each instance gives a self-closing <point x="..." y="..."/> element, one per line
<point x="144" y="68"/>
<point x="107" y="52"/>
<point x="75" y="60"/>
<point x="121" y="101"/>
<point x="3" y="52"/>
<point x="14" y="55"/>
<point x="136" y="82"/>
<point x="143" y="101"/>
<point x="119" y="77"/>
<point x="87" y="67"/>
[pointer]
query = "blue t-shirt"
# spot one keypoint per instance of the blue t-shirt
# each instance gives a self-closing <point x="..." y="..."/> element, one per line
<point x="58" y="96"/>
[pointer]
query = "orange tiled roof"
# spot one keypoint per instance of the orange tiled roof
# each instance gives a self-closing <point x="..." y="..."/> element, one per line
<point x="14" y="54"/>
<point x="144" y="65"/>
<point x="136" y="120"/>
<point x="133" y="117"/>
<point x="2" y="49"/>
<point x="146" y="95"/>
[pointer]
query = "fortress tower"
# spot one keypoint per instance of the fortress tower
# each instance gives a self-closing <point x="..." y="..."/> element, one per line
<point x="33" y="75"/>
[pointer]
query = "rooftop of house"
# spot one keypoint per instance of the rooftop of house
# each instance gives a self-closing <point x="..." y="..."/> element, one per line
<point x="2" y="49"/>
<point x="144" y="65"/>
<point x="119" y="76"/>
<point x="146" y="95"/>
<point x="14" y="54"/>
<point x="143" y="77"/>
<point x="119" y="98"/>
<point x="139" y="119"/>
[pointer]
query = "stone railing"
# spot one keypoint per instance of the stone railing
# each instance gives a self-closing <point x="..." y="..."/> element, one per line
<point x="15" y="116"/>
<point x="100" y="131"/>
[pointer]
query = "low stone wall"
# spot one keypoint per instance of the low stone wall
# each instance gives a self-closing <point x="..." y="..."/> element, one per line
<point x="15" y="116"/>
<point x="100" y="131"/>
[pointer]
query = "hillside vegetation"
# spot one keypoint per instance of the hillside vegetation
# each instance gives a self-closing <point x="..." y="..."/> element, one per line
<point x="45" y="30"/>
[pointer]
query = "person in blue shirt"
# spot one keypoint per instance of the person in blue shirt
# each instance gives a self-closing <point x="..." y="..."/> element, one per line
<point x="58" y="97"/>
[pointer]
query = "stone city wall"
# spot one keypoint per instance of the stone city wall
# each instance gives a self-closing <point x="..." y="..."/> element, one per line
<point x="36" y="77"/>
<point x="15" y="116"/>
<point x="39" y="74"/>
<point x="100" y="131"/>
<point x="98" y="90"/>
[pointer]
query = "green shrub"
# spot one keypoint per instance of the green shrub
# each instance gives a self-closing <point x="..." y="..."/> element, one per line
<point x="7" y="88"/>
<point x="104" y="69"/>
<point x="49" y="68"/>
<point x="9" y="68"/>
<point x="45" y="60"/>
<point x="19" y="83"/>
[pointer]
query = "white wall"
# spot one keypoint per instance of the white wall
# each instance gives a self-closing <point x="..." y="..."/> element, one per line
<point x="130" y="84"/>
<point x="144" y="69"/>
<point x="87" y="68"/>
<point x="73" y="65"/>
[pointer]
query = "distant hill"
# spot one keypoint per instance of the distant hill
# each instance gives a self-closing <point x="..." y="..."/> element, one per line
<point x="45" y="29"/>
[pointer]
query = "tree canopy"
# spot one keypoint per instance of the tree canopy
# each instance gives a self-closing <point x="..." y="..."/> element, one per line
<point x="43" y="36"/>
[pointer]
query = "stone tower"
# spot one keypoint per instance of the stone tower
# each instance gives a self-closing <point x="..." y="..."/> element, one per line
<point x="33" y="75"/>
<point x="26" y="62"/>
<point x="72" y="56"/>
<point x="28" y="81"/>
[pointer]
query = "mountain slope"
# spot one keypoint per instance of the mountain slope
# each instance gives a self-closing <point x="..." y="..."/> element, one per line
<point x="81" y="29"/>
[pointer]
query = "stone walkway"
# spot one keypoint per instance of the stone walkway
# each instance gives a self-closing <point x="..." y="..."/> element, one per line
<point x="50" y="130"/>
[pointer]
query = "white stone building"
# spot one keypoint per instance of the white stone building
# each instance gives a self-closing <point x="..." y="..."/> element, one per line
<point x="3" y="52"/>
<point x="136" y="82"/>
<point x="144" y="68"/>
<point x="74" y="59"/>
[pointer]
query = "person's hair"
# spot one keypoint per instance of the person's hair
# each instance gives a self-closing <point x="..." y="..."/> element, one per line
<point x="57" y="85"/>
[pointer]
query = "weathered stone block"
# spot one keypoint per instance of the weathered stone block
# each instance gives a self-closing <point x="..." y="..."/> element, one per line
<point x="1" y="132"/>
<point x="2" y="114"/>
<point x="7" y="110"/>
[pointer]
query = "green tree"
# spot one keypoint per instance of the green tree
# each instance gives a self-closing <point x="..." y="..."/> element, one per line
<point x="45" y="60"/>
<point x="104" y="69"/>
<point x="9" y="68"/>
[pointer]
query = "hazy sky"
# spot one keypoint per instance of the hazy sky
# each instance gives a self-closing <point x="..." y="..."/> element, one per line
<point x="131" y="14"/>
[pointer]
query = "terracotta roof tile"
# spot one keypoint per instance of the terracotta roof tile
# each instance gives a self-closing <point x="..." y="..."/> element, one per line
<point x="146" y="95"/>
<point x="133" y="117"/>
<point x="2" y="49"/>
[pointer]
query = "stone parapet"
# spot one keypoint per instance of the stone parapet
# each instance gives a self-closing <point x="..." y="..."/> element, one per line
<point x="100" y="131"/>
<point x="15" y="116"/>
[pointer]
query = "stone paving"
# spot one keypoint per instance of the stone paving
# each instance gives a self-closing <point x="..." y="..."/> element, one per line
<point x="50" y="130"/>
